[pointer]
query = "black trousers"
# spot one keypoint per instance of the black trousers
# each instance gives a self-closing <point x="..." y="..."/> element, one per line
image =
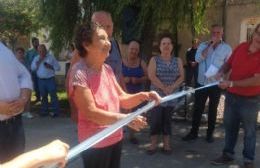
<point x="191" y="73"/>
<point x="107" y="157"/>
<point x="12" y="138"/>
<point x="201" y="96"/>
<point x="161" y="121"/>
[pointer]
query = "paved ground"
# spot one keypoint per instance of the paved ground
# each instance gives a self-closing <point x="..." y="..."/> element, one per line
<point x="198" y="154"/>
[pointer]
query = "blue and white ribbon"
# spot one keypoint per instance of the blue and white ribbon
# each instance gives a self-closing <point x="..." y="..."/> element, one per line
<point x="88" y="143"/>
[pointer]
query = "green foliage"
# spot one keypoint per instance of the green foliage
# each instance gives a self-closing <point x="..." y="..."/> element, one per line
<point x="60" y="17"/>
<point x="18" y="18"/>
<point x="154" y="15"/>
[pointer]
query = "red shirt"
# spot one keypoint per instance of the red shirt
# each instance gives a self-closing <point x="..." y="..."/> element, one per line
<point x="244" y="65"/>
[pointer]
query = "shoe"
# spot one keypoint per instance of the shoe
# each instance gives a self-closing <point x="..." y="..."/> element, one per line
<point x="248" y="165"/>
<point x="190" y="136"/>
<point x="210" y="139"/>
<point x="27" y="115"/>
<point x="134" y="140"/>
<point x="222" y="160"/>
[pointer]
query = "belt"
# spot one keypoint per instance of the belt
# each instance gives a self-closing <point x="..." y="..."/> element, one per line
<point x="46" y="78"/>
<point x="11" y="120"/>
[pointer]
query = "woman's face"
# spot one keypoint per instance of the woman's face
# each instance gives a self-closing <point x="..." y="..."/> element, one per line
<point x="166" y="46"/>
<point x="256" y="38"/>
<point x="133" y="49"/>
<point x="100" y="46"/>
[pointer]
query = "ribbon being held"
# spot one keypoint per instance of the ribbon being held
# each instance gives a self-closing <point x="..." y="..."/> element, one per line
<point x="88" y="143"/>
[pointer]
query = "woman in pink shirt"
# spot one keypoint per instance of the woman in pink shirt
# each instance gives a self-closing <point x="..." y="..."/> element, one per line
<point x="98" y="97"/>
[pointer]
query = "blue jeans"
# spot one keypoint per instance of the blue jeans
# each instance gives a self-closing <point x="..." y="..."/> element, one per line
<point x="48" y="86"/>
<point x="244" y="110"/>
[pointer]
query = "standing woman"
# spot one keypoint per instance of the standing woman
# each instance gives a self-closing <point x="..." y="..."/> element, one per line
<point x="166" y="74"/>
<point x="134" y="71"/>
<point x="98" y="98"/>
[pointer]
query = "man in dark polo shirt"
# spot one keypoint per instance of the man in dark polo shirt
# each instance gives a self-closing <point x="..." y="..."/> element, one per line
<point x="242" y="99"/>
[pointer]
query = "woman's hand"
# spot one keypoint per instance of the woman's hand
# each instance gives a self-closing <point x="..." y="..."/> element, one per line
<point x="138" y="123"/>
<point x="152" y="95"/>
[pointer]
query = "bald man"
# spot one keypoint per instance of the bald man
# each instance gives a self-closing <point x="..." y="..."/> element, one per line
<point x="104" y="19"/>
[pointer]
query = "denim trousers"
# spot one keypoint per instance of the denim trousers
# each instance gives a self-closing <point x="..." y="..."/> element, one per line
<point x="240" y="110"/>
<point x="48" y="87"/>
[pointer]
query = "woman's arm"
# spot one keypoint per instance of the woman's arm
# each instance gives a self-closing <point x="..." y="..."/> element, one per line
<point x="180" y="79"/>
<point x="85" y="103"/>
<point x="152" y="75"/>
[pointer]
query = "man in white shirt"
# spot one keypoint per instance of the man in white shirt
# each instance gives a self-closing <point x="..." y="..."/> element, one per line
<point x="211" y="55"/>
<point x="15" y="86"/>
<point x="45" y="66"/>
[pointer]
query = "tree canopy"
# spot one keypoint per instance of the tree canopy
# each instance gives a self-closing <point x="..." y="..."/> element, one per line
<point x="149" y="16"/>
<point x="17" y="18"/>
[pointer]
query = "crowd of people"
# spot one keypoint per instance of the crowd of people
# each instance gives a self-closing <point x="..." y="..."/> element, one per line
<point x="103" y="87"/>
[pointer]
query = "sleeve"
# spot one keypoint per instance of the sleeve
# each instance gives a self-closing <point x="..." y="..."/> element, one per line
<point x="79" y="78"/>
<point x="198" y="56"/>
<point x="55" y="63"/>
<point x="229" y="53"/>
<point x="76" y="77"/>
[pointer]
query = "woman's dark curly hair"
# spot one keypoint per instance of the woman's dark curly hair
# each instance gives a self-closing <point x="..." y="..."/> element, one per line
<point x="83" y="37"/>
<point x="166" y="35"/>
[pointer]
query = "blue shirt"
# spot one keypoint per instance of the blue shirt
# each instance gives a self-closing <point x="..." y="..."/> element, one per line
<point x="216" y="57"/>
<point x="114" y="59"/>
<point x="30" y="55"/>
<point x="13" y="77"/>
<point x="43" y="72"/>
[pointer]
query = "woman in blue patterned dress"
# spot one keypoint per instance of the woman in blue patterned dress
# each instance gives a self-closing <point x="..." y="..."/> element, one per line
<point x="166" y="74"/>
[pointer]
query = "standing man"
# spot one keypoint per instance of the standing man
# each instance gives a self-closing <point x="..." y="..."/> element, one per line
<point x="15" y="86"/>
<point x="104" y="19"/>
<point x="45" y="65"/>
<point x="192" y="65"/>
<point x="30" y="55"/>
<point x="19" y="53"/>
<point x="242" y="99"/>
<point x="211" y="55"/>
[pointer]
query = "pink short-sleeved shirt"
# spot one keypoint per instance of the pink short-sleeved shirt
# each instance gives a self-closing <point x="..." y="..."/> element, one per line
<point x="106" y="97"/>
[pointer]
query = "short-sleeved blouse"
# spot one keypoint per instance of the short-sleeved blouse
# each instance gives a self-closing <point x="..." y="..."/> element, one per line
<point x="106" y="97"/>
